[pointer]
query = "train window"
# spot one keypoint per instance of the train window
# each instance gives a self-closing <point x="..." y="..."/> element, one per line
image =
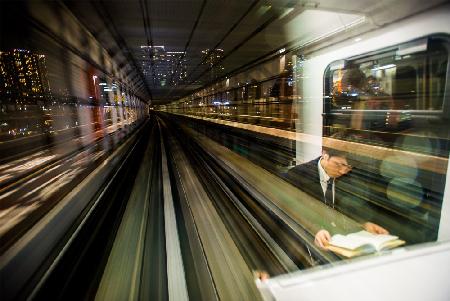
<point x="396" y="79"/>
<point x="394" y="99"/>
<point x="393" y="91"/>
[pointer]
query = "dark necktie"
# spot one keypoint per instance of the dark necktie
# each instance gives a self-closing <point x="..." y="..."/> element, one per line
<point x="329" y="193"/>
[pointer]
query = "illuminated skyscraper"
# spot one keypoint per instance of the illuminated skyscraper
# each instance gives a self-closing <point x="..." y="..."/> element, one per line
<point x="166" y="67"/>
<point x="211" y="58"/>
<point x="23" y="76"/>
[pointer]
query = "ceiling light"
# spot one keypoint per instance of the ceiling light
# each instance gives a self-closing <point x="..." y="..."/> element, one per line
<point x="384" y="67"/>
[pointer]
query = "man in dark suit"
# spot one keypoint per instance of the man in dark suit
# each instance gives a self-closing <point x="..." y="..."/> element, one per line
<point x="319" y="178"/>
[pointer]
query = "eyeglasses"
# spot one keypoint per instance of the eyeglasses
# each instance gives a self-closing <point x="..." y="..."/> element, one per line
<point x="340" y="165"/>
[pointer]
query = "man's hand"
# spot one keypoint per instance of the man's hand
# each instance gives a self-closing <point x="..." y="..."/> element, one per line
<point x="261" y="275"/>
<point x="374" y="228"/>
<point x="322" y="239"/>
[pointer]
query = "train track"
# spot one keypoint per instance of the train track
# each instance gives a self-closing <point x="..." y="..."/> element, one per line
<point x="39" y="183"/>
<point x="174" y="222"/>
<point x="200" y="234"/>
<point x="43" y="241"/>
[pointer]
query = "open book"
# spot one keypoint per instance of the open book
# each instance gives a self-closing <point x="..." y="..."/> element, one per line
<point x="362" y="242"/>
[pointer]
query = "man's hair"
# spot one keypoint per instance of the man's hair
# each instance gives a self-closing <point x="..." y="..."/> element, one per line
<point x="345" y="150"/>
<point x="332" y="152"/>
<point x="354" y="77"/>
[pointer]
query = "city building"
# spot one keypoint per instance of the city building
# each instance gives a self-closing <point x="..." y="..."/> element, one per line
<point x="212" y="58"/>
<point x="163" y="68"/>
<point x="23" y="77"/>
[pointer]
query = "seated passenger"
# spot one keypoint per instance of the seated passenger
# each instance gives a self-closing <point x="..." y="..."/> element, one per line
<point x="319" y="178"/>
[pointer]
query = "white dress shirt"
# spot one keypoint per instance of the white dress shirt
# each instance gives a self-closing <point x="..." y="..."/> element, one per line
<point x="324" y="178"/>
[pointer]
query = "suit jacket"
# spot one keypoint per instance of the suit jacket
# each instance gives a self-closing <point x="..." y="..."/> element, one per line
<point x="306" y="177"/>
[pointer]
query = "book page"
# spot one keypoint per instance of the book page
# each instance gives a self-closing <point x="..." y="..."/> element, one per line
<point x="347" y="242"/>
<point x="377" y="240"/>
<point x="355" y="240"/>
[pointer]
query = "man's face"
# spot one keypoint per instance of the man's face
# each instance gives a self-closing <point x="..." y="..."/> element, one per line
<point x="335" y="166"/>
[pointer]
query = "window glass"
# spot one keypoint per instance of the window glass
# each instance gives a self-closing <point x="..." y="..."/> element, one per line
<point x="387" y="111"/>
<point x="392" y="93"/>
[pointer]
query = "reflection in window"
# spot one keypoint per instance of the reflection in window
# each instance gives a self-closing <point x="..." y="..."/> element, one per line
<point x="391" y="93"/>
<point x="392" y="107"/>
